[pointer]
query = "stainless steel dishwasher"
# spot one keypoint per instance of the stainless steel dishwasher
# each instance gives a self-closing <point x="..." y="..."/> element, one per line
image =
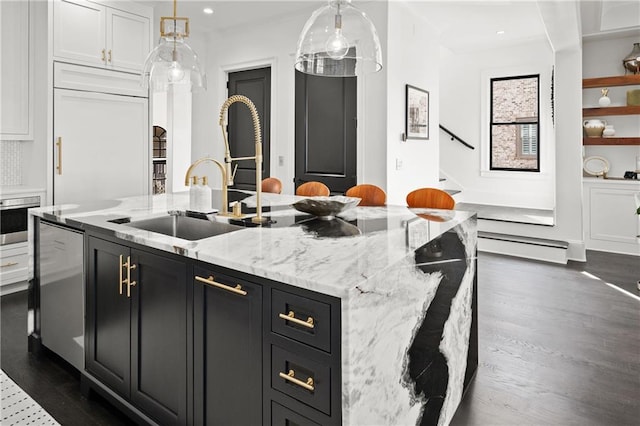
<point x="62" y="292"/>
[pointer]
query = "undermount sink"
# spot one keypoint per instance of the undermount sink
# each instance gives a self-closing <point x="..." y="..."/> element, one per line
<point x="184" y="227"/>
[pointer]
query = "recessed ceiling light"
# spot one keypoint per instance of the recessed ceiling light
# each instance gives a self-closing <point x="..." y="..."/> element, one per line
<point x="500" y="32"/>
<point x="207" y="10"/>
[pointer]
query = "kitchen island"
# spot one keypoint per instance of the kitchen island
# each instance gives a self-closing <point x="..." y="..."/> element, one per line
<point x="368" y="319"/>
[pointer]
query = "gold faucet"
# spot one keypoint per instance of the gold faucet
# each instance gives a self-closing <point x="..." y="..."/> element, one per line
<point x="225" y="197"/>
<point x="257" y="157"/>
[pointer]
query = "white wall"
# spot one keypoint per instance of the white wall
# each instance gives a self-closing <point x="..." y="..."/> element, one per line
<point x="464" y="109"/>
<point x="273" y="44"/>
<point x="412" y="58"/>
<point x="568" y="85"/>
<point x="603" y="58"/>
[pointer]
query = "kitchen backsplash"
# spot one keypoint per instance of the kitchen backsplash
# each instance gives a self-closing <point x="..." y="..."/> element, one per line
<point x="10" y="160"/>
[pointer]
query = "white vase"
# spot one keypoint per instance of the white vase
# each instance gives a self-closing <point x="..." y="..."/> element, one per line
<point x="604" y="100"/>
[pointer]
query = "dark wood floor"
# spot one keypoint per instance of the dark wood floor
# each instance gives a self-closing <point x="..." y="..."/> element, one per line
<point x="555" y="346"/>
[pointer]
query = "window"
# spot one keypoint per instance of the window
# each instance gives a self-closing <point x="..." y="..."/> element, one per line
<point x="515" y="129"/>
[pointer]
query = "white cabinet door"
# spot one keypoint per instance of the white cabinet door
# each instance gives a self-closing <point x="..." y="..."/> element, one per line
<point x="79" y="32"/>
<point x="611" y="223"/>
<point x="104" y="146"/>
<point x="127" y="40"/>
<point x="16" y="109"/>
<point x="87" y="33"/>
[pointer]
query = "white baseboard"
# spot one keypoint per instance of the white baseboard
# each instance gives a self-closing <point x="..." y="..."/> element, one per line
<point x="528" y="251"/>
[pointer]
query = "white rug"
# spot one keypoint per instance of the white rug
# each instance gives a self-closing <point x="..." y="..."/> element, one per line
<point x="19" y="409"/>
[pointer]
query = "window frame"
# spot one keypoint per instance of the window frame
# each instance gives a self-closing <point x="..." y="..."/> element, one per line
<point x="517" y="122"/>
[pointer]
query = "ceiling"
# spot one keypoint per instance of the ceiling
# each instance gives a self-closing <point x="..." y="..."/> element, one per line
<point x="461" y="25"/>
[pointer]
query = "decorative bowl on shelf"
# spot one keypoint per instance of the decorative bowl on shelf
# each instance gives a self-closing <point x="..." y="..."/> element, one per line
<point x="326" y="208"/>
<point x="596" y="166"/>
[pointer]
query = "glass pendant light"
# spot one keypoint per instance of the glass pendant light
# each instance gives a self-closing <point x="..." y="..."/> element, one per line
<point x="338" y="40"/>
<point x="173" y="61"/>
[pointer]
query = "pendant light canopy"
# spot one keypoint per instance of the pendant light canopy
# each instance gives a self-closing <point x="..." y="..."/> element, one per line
<point x="338" y="40"/>
<point x="173" y="61"/>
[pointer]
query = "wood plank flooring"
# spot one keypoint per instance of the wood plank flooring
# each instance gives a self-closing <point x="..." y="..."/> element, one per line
<point x="556" y="347"/>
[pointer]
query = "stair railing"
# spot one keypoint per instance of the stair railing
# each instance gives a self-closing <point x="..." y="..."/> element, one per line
<point x="456" y="137"/>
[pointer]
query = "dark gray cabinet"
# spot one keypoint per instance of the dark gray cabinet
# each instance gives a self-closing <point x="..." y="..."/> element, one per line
<point x="227" y="327"/>
<point x="174" y="341"/>
<point x="136" y="328"/>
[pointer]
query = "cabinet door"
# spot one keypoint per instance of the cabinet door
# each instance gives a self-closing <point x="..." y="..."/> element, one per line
<point x="611" y="222"/>
<point x="159" y="338"/>
<point x="101" y="148"/>
<point x="79" y="32"/>
<point x="15" y="71"/>
<point x="107" y="322"/>
<point x="127" y="40"/>
<point x="227" y="352"/>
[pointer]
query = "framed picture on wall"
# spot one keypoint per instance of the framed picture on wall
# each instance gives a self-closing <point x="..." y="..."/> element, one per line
<point x="417" y="113"/>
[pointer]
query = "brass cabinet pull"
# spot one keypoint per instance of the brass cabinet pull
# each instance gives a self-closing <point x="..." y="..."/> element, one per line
<point x="59" y="145"/>
<point x="291" y="316"/>
<point x="237" y="289"/>
<point x="129" y="282"/>
<point x="104" y="59"/>
<point x="109" y="55"/>
<point x="308" y="385"/>
<point x="120" y="274"/>
<point x="6" y="265"/>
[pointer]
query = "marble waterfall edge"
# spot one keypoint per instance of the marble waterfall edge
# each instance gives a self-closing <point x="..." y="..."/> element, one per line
<point x="382" y="317"/>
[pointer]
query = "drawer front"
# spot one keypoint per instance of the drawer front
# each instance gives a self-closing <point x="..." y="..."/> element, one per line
<point x="289" y="311"/>
<point x="282" y="416"/>
<point x="299" y="370"/>
<point x="14" y="266"/>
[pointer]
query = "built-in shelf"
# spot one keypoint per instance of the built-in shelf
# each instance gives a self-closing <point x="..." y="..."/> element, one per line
<point x="611" y="141"/>
<point x="599" y="82"/>
<point x="614" y="110"/>
<point x="619" y="80"/>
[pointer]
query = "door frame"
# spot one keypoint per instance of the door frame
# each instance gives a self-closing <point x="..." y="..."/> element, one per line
<point x="223" y="77"/>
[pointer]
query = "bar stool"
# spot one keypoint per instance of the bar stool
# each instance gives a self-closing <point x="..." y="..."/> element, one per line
<point x="370" y="195"/>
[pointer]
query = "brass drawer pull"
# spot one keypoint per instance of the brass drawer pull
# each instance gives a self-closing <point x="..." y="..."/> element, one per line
<point x="109" y="55"/>
<point x="308" y="385"/>
<point x="6" y="265"/>
<point x="237" y="289"/>
<point x="104" y="59"/>
<point x="309" y="323"/>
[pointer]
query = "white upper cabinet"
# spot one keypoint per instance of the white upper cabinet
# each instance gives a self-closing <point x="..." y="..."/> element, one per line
<point x="89" y="33"/>
<point x="127" y="40"/>
<point x="16" y="71"/>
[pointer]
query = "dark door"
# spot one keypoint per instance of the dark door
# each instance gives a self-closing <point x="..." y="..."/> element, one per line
<point x="326" y="131"/>
<point x="158" y="338"/>
<point x="107" y="317"/>
<point x="227" y="352"/>
<point x="255" y="85"/>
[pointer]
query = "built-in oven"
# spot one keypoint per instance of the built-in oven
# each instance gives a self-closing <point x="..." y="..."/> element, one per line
<point x="14" y="218"/>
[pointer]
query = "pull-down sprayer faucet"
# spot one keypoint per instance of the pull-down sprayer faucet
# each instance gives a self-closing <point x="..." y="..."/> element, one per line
<point x="258" y="152"/>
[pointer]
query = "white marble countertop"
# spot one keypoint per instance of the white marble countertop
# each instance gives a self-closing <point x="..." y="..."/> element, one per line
<point x="288" y="252"/>
<point x="612" y="182"/>
<point x="15" y="190"/>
